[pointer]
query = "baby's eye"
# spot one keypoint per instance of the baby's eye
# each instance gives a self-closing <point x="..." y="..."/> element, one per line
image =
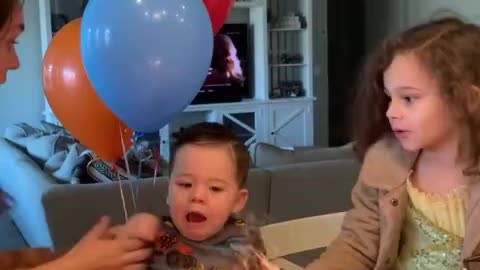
<point x="184" y="184"/>
<point x="216" y="189"/>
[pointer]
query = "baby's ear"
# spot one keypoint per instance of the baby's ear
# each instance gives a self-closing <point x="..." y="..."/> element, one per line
<point x="242" y="197"/>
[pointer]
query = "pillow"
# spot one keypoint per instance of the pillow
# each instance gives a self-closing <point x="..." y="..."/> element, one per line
<point x="41" y="148"/>
<point x="325" y="153"/>
<point x="65" y="172"/>
<point x="266" y="155"/>
<point x="19" y="133"/>
<point x="55" y="162"/>
<point x="52" y="128"/>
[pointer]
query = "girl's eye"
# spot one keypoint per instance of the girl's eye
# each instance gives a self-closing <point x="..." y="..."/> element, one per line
<point x="408" y="99"/>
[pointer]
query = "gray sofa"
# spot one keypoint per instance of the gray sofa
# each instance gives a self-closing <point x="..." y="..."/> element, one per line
<point x="49" y="214"/>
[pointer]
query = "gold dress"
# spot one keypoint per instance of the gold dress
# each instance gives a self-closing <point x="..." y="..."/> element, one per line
<point x="433" y="232"/>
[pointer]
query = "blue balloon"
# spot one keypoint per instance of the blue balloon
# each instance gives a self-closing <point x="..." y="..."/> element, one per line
<point x="146" y="59"/>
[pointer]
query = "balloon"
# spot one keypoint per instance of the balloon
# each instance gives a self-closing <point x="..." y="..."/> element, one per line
<point x="218" y="11"/>
<point x="146" y="59"/>
<point x="75" y="102"/>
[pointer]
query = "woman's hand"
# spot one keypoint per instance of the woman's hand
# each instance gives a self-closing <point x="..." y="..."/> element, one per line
<point x="100" y="249"/>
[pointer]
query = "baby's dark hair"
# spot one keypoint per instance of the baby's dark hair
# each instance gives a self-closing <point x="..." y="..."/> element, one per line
<point x="208" y="133"/>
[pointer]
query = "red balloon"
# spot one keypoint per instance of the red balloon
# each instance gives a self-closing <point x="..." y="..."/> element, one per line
<point x="74" y="101"/>
<point x="218" y="11"/>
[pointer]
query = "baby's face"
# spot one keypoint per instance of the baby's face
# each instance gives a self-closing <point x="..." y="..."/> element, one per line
<point x="203" y="191"/>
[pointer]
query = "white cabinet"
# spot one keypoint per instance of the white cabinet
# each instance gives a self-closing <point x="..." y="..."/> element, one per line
<point x="245" y="122"/>
<point x="281" y="58"/>
<point x="290" y="125"/>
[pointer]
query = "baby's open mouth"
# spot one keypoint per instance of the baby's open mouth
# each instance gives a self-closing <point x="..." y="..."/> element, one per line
<point x="195" y="217"/>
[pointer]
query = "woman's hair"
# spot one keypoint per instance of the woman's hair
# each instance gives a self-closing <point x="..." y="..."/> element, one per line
<point x="449" y="49"/>
<point x="6" y="10"/>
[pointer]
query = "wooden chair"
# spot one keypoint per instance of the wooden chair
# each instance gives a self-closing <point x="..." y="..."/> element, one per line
<point x="299" y="235"/>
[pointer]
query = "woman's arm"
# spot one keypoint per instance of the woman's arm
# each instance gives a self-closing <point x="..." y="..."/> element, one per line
<point x="25" y="258"/>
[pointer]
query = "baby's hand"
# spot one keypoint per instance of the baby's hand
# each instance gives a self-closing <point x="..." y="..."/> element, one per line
<point x="142" y="226"/>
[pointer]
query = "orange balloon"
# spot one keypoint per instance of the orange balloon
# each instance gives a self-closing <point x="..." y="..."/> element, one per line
<point x="74" y="101"/>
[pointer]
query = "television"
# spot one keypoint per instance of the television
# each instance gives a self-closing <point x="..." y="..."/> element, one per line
<point x="228" y="78"/>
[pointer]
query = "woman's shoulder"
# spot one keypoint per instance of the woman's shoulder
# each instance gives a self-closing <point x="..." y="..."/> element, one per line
<point x="386" y="163"/>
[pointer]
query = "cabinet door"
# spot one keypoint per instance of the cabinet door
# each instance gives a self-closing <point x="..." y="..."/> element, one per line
<point x="243" y="122"/>
<point x="291" y="125"/>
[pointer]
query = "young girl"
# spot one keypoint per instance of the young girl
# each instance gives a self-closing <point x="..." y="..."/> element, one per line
<point x="417" y="200"/>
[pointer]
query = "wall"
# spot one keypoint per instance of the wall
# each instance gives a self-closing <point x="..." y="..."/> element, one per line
<point x="22" y="96"/>
<point x="320" y="72"/>
<point x="385" y="17"/>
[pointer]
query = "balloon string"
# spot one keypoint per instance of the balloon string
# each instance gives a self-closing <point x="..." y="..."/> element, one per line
<point x="127" y="166"/>
<point x="124" y="203"/>
<point x="154" y="180"/>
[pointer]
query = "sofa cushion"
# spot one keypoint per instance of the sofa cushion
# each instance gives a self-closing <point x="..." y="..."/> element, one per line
<point x="266" y="155"/>
<point x="71" y="210"/>
<point x="258" y="185"/>
<point x="313" y="188"/>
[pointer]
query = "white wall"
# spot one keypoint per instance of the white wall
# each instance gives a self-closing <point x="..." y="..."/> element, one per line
<point x="385" y="17"/>
<point x="419" y="11"/>
<point x="21" y="98"/>
<point x="382" y="18"/>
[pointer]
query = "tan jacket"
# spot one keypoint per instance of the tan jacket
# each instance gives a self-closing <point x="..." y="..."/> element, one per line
<point x="371" y="230"/>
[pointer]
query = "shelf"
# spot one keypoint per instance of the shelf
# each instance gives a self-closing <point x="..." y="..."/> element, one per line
<point x="212" y="106"/>
<point x="286" y="29"/>
<point x="244" y="103"/>
<point x="288" y="65"/>
<point x="291" y="99"/>
<point x="248" y="4"/>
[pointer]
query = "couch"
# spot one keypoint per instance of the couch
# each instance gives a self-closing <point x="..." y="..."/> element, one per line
<point x="50" y="214"/>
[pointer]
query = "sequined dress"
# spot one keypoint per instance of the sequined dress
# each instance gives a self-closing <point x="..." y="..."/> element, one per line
<point x="433" y="232"/>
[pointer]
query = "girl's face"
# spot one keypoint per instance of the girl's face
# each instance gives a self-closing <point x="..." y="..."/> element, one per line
<point x="8" y="35"/>
<point x="418" y="115"/>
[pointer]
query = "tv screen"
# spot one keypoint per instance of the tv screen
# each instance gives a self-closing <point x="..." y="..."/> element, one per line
<point x="228" y="76"/>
